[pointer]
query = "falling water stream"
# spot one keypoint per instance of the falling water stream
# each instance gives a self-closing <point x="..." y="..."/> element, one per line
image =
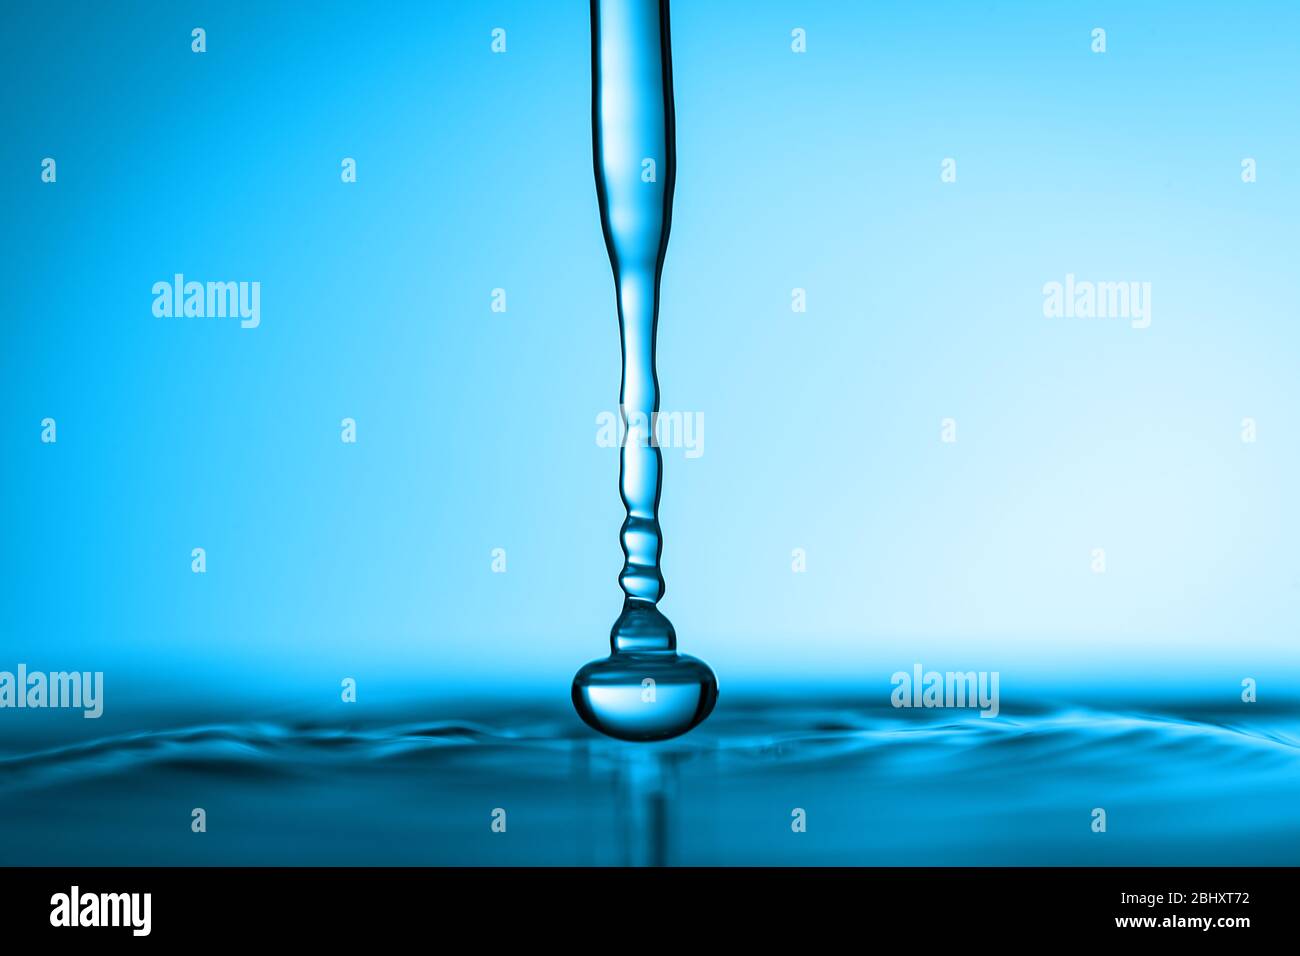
<point x="644" y="690"/>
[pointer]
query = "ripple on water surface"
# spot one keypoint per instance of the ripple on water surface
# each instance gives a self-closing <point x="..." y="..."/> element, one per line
<point x="875" y="788"/>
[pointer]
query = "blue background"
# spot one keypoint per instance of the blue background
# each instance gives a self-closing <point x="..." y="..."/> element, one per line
<point x="476" y="430"/>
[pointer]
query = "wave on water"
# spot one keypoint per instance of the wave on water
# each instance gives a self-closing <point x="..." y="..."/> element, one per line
<point x="877" y="787"/>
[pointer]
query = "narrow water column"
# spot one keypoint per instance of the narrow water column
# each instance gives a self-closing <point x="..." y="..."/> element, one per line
<point x="644" y="690"/>
<point x="633" y="149"/>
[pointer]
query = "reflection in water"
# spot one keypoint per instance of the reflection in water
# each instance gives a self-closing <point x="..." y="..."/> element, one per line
<point x="1184" y="786"/>
<point x="643" y="808"/>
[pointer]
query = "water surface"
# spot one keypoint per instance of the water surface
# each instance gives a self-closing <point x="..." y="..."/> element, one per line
<point x="1181" y="785"/>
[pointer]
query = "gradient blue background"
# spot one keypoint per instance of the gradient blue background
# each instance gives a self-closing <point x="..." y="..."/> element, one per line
<point x="477" y="430"/>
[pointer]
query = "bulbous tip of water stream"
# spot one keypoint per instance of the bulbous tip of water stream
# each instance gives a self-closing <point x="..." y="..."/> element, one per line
<point x="645" y="696"/>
